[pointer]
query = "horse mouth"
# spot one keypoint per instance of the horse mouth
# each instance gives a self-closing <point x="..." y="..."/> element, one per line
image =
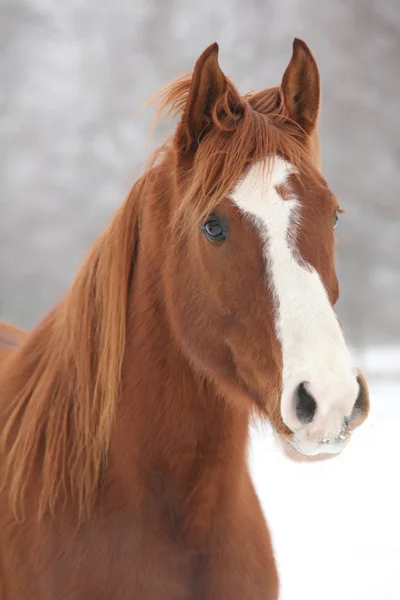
<point x="313" y="452"/>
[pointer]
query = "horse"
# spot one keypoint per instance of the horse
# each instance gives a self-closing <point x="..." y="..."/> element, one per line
<point x="208" y="300"/>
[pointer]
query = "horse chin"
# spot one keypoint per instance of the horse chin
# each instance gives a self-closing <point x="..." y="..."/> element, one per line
<point x="289" y="450"/>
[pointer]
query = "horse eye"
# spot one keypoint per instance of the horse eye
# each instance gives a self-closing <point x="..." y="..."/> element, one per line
<point x="335" y="219"/>
<point x="213" y="230"/>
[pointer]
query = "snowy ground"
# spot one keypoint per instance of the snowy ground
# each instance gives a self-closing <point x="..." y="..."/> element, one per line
<point x="336" y="524"/>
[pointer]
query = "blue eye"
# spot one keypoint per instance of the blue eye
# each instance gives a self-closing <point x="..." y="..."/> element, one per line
<point x="336" y="219"/>
<point x="213" y="230"/>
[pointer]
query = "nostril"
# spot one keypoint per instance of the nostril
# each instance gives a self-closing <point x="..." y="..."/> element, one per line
<point x="305" y="406"/>
<point x="361" y="406"/>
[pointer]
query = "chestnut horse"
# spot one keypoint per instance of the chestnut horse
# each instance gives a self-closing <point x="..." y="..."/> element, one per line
<point x="125" y="414"/>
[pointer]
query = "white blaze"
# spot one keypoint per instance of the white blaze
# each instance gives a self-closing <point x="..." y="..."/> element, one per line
<point x="313" y="346"/>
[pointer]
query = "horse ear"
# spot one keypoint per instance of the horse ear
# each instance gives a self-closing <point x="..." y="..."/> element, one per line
<point x="208" y="85"/>
<point x="301" y="88"/>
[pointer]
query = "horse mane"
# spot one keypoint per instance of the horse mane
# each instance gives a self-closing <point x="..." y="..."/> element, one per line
<point x="64" y="414"/>
<point x="60" y="424"/>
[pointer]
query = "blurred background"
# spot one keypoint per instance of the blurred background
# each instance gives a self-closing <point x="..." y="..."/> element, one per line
<point x="73" y="76"/>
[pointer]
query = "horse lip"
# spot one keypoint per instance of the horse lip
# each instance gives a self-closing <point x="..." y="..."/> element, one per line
<point x="324" y="446"/>
<point x="294" y="454"/>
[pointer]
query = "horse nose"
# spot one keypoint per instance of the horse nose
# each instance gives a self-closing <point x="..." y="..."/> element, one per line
<point x="307" y="405"/>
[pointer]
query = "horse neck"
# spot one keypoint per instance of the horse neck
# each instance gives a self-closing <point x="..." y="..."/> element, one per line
<point x="174" y="432"/>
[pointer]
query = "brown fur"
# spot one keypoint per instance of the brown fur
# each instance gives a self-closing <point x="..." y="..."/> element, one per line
<point x="124" y="415"/>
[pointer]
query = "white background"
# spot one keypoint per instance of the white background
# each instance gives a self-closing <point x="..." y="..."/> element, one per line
<point x="336" y="524"/>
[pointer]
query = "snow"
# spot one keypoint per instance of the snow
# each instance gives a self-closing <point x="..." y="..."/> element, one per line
<point x="336" y="524"/>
